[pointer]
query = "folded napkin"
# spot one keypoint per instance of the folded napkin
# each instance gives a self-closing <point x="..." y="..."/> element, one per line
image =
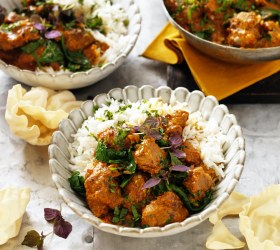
<point x="214" y="77"/>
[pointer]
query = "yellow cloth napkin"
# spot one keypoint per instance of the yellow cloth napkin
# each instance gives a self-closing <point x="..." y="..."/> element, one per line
<point x="214" y="77"/>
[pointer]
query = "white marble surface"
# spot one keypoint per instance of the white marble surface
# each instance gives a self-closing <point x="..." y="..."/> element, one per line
<point x="24" y="165"/>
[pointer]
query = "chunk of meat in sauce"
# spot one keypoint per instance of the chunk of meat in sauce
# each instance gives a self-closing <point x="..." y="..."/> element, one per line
<point x="77" y="39"/>
<point x="95" y="51"/>
<point x="192" y="154"/>
<point x="273" y="31"/>
<point x="19" y="36"/>
<point x="110" y="139"/>
<point x="187" y="16"/>
<point x="134" y="192"/>
<point x="27" y="61"/>
<point x="148" y="156"/>
<point x="102" y="190"/>
<point x="244" y="30"/>
<point x="198" y="182"/>
<point x="167" y="208"/>
<point x="176" y="122"/>
<point x="13" y="17"/>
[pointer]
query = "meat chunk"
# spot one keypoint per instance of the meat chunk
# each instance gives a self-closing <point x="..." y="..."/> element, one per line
<point x="167" y="208"/>
<point x="18" y="36"/>
<point x="102" y="190"/>
<point x="244" y="30"/>
<point x="77" y="39"/>
<point x="187" y="15"/>
<point x="176" y="122"/>
<point x="13" y="17"/>
<point x="273" y="31"/>
<point x="134" y="192"/>
<point x="192" y="154"/>
<point x="118" y="138"/>
<point x="198" y="182"/>
<point x="148" y="156"/>
<point x="27" y="61"/>
<point x="94" y="52"/>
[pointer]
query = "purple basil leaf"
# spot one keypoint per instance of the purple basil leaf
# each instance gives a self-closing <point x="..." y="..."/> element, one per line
<point x="152" y="122"/>
<point x="136" y="129"/>
<point x="180" y="168"/>
<point x="179" y="153"/>
<point x="176" y="140"/>
<point x="151" y="183"/>
<point x="39" y="26"/>
<point x="154" y="133"/>
<point x="51" y="214"/>
<point x="53" y="34"/>
<point x="62" y="228"/>
<point x="164" y="174"/>
<point x="35" y="18"/>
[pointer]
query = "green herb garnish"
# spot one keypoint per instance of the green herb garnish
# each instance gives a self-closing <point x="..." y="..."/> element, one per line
<point x="77" y="183"/>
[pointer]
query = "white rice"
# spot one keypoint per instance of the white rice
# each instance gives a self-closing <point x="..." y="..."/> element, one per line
<point x="203" y="135"/>
<point x="113" y="17"/>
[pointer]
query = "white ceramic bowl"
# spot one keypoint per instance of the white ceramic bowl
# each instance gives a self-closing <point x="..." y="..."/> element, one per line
<point x="78" y="79"/>
<point x="234" y="152"/>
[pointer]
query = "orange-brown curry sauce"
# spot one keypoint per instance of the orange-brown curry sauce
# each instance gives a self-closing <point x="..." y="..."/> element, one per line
<point x="238" y="23"/>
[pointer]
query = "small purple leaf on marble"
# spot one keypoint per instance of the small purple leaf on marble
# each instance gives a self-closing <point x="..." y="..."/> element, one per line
<point x="51" y="214"/>
<point x="62" y="228"/>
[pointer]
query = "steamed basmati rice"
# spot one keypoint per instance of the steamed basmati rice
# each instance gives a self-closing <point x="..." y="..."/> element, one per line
<point x="202" y="134"/>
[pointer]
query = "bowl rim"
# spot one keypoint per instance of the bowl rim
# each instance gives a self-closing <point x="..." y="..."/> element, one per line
<point x="149" y="232"/>
<point x="123" y="53"/>
<point x="234" y="49"/>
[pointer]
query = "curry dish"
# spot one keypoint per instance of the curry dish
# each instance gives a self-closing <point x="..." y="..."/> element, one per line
<point x="238" y="23"/>
<point x="145" y="176"/>
<point x="43" y="33"/>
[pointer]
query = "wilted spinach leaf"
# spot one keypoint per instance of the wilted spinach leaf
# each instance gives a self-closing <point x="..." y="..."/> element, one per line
<point x="77" y="60"/>
<point x="32" y="46"/>
<point x="77" y="183"/>
<point x="109" y="155"/>
<point x="52" y="53"/>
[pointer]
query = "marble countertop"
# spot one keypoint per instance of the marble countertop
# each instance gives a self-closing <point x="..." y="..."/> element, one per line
<point x="24" y="165"/>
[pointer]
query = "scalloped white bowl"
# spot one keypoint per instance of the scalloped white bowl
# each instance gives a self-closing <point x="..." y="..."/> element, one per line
<point x="76" y="80"/>
<point x="234" y="151"/>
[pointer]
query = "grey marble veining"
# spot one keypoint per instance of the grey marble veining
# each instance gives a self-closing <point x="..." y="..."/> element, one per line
<point x="22" y="164"/>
